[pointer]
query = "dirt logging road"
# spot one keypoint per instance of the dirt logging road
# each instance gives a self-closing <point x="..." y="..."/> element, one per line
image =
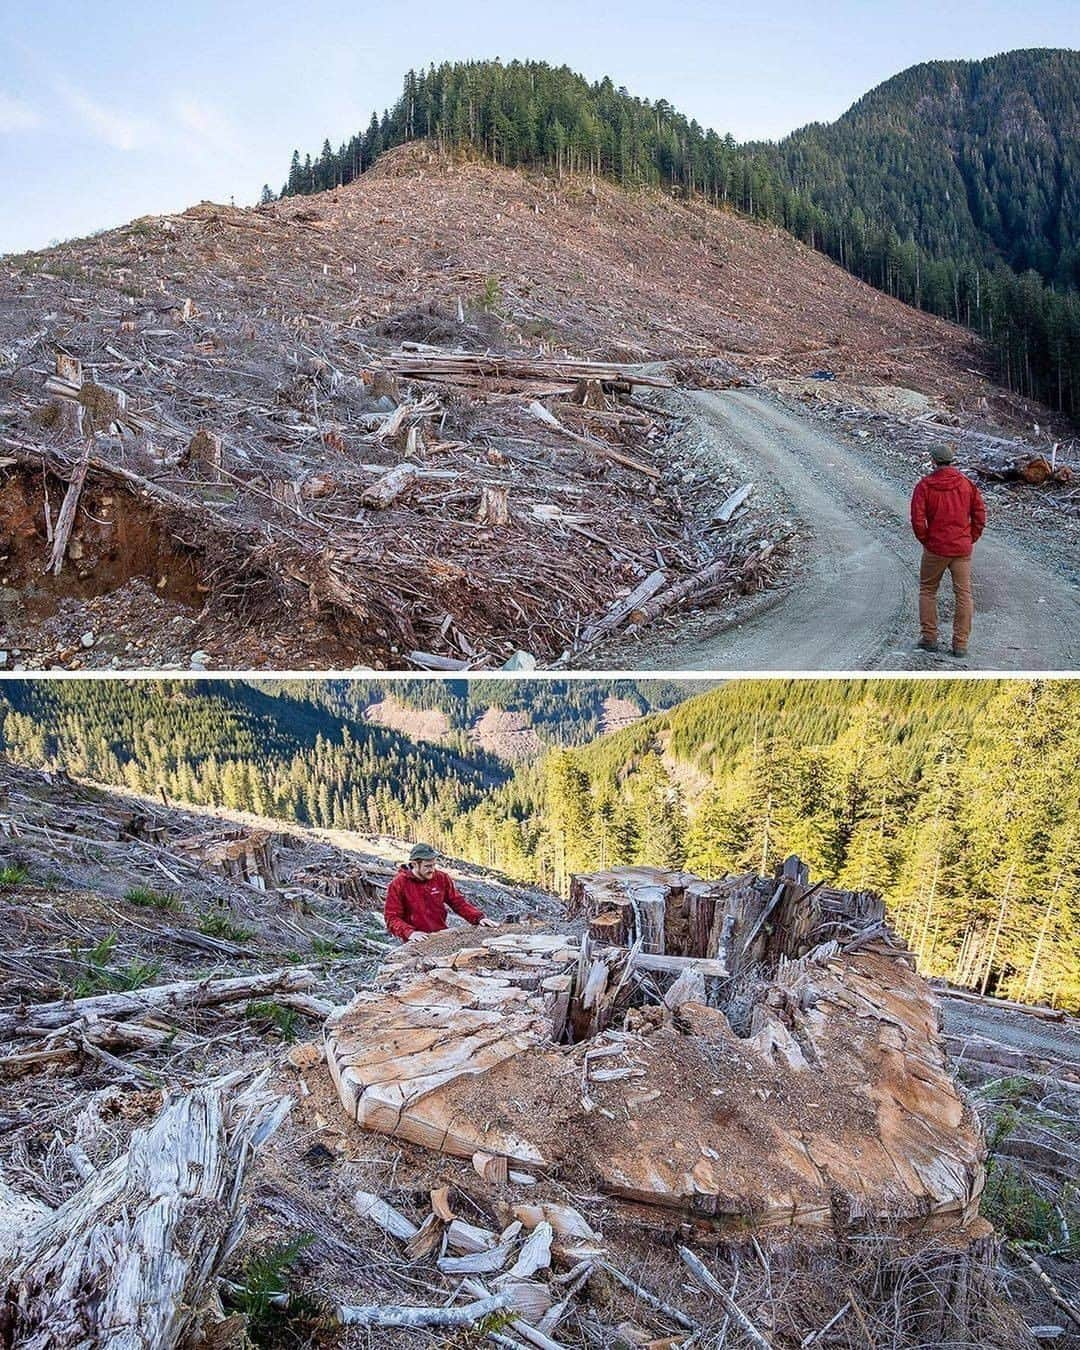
<point x="853" y="604"/>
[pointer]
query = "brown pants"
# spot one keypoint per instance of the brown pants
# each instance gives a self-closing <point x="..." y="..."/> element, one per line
<point x="931" y="571"/>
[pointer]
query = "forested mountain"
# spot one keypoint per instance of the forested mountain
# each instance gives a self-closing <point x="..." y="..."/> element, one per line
<point x="953" y="186"/>
<point x="959" y="800"/>
<point x="562" y="712"/>
<point x="975" y="159"/>
<point x="233" y="745"/>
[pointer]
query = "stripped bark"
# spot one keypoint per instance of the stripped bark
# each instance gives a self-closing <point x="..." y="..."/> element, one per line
<point x="127" y="1262"/>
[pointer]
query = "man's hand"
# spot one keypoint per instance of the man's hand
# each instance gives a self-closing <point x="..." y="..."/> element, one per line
<point x="416" y="936"/>
<point x="487" y="923"/>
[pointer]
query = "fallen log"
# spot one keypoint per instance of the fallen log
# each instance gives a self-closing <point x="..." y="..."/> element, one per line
<point x="1067" y="1307"/>
<point x="1021" y="1062"/>
<point x="1021" y="467"/>
<point x="66" y="519"/>
<point x="437" y="363"/>
<point x="389" y="486"/>
<point x="988" y="1001"/>
<point x="36" y="1018"/>
<point x="466" y="1316"/>
<point x="601" y="448"/>
<point x="696" y="582"/>
<point x="733" y="503"/>
<point x="707" y="1281"/>
<point x="128" y="1262"/>
<point x="625" y="606"/>
<point x="678" y="964"/>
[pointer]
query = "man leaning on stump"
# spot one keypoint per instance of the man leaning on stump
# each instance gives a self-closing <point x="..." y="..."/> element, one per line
<point x="419" y="897"/>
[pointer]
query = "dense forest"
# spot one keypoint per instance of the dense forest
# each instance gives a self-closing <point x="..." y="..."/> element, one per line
<point x="300" y="750"/>
<point x="953" y="186"/>
<point x="959" y="800"/>
<point x="234" y="745"/>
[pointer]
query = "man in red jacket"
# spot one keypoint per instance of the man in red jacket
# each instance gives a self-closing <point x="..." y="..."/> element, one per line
<point x="948" y="515"/>
<point x="419" y="896"/>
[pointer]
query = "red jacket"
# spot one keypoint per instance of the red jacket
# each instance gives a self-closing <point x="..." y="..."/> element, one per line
<point x="947" y="513"/>
<point x="413" y="905"/>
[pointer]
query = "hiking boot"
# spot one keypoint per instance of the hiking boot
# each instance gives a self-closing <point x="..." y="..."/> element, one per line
<point x="959" y="651"/>
<point x="925" y="645"/>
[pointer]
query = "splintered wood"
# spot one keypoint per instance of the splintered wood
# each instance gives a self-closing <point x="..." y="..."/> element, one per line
<point x="835" y="1104"/>
<point x="130" y="1259"/>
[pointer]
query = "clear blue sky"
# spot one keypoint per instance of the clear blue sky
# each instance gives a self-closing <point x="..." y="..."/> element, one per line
<point x="110" y="109"/>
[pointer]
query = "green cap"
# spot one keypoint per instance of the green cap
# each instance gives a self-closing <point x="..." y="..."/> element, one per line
<point x="943" y="454"/>
<point x="419" y="851"/>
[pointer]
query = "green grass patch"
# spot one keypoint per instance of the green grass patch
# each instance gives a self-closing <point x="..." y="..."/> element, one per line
<point x="97" y="976"/>
<point x="12" y="876"/>
<point x="146" y="898"/>
<point x="267" y="1016"/>
<point x="219" y="925"/>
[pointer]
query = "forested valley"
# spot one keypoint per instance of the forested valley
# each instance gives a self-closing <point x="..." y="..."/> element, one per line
<point x="958" y="800"/>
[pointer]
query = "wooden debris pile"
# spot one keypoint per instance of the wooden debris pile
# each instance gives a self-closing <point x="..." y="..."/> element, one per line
<point x="623" y="1085"/>
<point x="828" y="1103"/>
<point x="511" y="374"/>
<point x="318" y="500"/>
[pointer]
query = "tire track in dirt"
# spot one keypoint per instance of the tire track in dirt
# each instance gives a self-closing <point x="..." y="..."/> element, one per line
<point x="853" y="604"/>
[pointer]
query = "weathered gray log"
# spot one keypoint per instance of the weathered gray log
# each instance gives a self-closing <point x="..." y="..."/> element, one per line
<point x="733" y="503"/>
<point x="40" y="1017"/>
<point x="127" y="1263"/>
<point x="625" y="606"/>
<point x="698" y="581"/>
<point x="678" y="964"/>
<point x="988" y="1001"/>
<point x="1068" y="1308"/>
<point x="373" y="1315"/>
<point x="705" y="1278"/>
<point x="66" y="519"/>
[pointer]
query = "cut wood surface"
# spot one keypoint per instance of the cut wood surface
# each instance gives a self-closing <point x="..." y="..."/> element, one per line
<point x="462" y="1048"/>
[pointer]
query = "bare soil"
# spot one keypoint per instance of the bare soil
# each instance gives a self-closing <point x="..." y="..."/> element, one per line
<point x="265" y="327"/>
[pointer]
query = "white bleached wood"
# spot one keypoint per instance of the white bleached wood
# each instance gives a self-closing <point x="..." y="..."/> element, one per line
<point x="127" y="1262"/>
<point x="158" y="998"/>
